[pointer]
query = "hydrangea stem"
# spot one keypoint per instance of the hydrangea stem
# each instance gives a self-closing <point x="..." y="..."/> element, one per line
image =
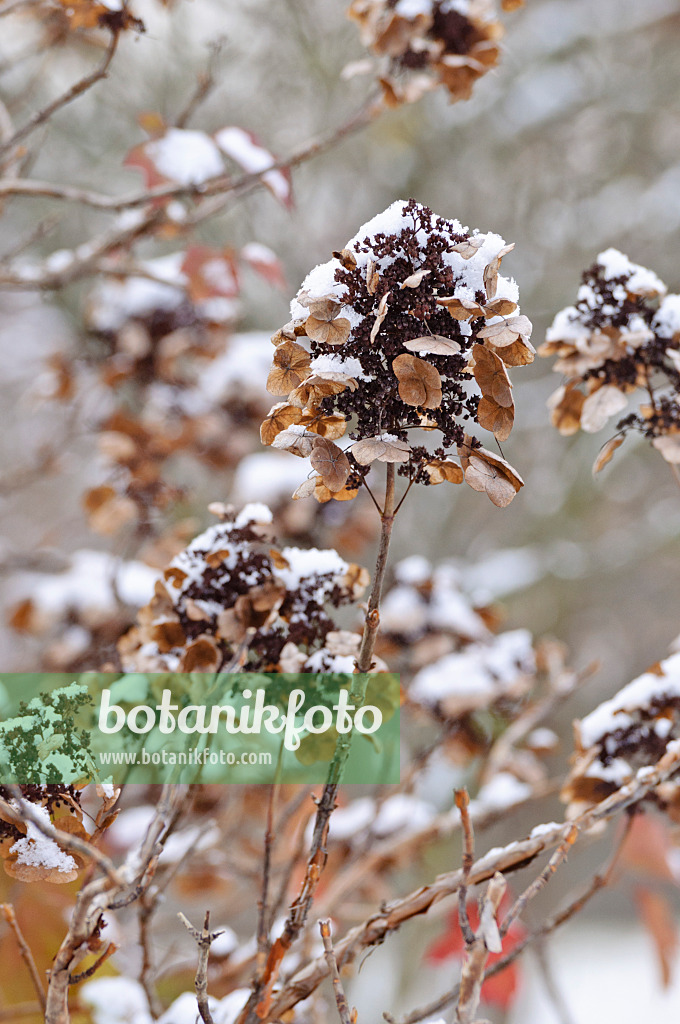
<point x="372" y="623"/>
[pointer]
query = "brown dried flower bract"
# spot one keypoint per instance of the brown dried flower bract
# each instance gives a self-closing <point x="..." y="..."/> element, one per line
<point x="420" y="46"/>
<point x="409" y="284"/>
<point x="620" y="342"/>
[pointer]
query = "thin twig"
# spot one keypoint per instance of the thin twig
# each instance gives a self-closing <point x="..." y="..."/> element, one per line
<point x="204" y="940"/>
<point x="344" y="1013"/>
<point x="75" y="979"/>
<point x="41" y="116"/>
<point x="463" y="804"/>
<point x="532" y="890"/>
<point x="7" y="911"/>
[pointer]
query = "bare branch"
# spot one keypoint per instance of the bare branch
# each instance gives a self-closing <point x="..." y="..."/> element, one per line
<point x="7" y="911"/>
<point x="340" y="998"/>
<point x="204" y="940"/>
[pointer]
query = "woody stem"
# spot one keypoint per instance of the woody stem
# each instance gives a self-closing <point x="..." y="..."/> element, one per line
<point x="372" y="623"/>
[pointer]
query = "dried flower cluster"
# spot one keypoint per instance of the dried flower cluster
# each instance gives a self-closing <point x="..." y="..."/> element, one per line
<point x="622" y="338"/>
<point x="230" y="599"/>
<point x="426" y="43"/>
<point x="625" y="735"/>
<point x="384" y="340"/>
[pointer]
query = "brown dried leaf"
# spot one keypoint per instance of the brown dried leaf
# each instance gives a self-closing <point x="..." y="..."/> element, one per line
<point x="320" y="385"/>
<point x="469" y="247"/>
<point x="492" y="377"/>
<point x="419" y="381"/>
<point x="331" y="464"/>
<point x="566" y="405"/>
<point x="499" y="307"/>
<point x="496" y="418"/>
<point x="606" y="453"/>
<point x="600" y="406"/>
<point x="382" y="313"/>
<point x="203" y="655"/>
<point x="413" y="280"/>
<point x="383" y="449"/>
<point x="305" y="489"/>
<point x="440" y="470"/>
<point x="372" y="277"/>
<point x="487" y="472"/>
<point x="461" y="309"/>
<point x="280" y="417"/>
<point x="328" y="332"/>
<point x="491" y="270"/>
<point x="433" y="344"/>
<point x="507" y="331"/>
<point x="297" y="444"/>
<point x="290" y="368"/>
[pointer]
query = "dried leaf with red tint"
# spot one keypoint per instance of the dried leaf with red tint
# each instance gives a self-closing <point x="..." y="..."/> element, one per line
<point x="210" y="272"/>
<point x="413" y="280"/>
<point x="460" y="309"/>
<point x="331" y="464"/>
<point x="433" y="344"/>
<point x="264" y="262"/>
<point x="600" y="406"/>
<point x="507" y="331"/>
<point x="382" y="313"/>
<point x="139" y="158"/>
<point x="659" y="920"/>
<point x="419" y="382"/>
<point x="280" y="417"/>
<point x="290" y="367"/>
<point x="370" y="449"/>
<point x="469" y="247"/>
<point x="606" y="453"/>
<point x="492" y="377"/>
<point x="492" y="268"/>
<point x="439" y="470"/>
<point x="328" y="332"/>
<point x="648" y="849"/>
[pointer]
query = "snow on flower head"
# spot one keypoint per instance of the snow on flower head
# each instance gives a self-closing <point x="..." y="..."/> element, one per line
<point x="387" y="334"/>
<point x="621" y="340"/>
<point x="230" y="591"/>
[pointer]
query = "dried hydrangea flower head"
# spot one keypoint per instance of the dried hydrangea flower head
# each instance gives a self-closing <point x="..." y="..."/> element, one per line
<point x="231" y="599"/>
<point x="621" y="338"/>
<point x="626" y="735"/>
<point x="388" y="339"/>
<point x="425" y="43"/>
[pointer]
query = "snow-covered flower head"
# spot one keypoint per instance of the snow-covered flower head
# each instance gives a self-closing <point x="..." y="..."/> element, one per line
<point x="425" y="43"/>
<point x="231" y="595"/>
<point x="622" y="336"/>
<point x="383" y="341"/>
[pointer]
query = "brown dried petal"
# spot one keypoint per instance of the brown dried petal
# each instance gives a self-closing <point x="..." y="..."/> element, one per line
<point x="607" y="450"/>
<point x="566" y="405"/>
<point x="347" y="258"/>
<point x="492" y="377"/>
<point x="496" y="418"/>
<point x="297" y="444"/>
<point x="280" y="417"/>
<point x="491" y="270"/>
<point x="382" y="313"/>
<point x="520" y="353"/>
<point x="202" y="655"/>
<point x="499" y="307"/>
<point x="321" y="307"/>
<point x="413" y="280"/>
<point x="487" y="472"/>
<point x="507" y="331"/>
<point x="419" y="381"/>
<point x="290" y="367"/>
<point x="433" y="344"/>
<point x="461" y="309"/>
<point x="332" y="426"/>
<point x="669" y="447"/>
<point x="331" y="464"/>
<point x="319" y="386"/>
<point x="600" y="406"/>
<point x="328" y="332"/>
<point x="372" y="277"/>
<point x="324" y="494"/>
<point x="469" y="247"/>
<point x="306" y="488"/>
<point x="371" y="448"/>
<point x="440" y="470"/>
